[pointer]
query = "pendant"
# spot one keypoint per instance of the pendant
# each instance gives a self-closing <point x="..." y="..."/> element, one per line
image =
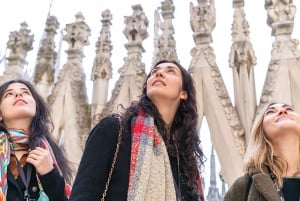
<point x="26" y="195"/>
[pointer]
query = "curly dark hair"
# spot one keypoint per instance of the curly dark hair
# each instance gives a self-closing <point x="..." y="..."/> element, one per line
<point x="184" y="128"/>
<point x="41" y="126"/>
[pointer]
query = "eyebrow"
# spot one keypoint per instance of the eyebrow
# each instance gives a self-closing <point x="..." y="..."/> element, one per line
<point x="272" y="106"/>
<point x="158" y="67"/>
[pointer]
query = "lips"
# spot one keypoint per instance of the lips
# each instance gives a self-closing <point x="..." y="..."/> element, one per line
<point x="282" y="117"/>
<point x="158" y="81"/>
<point x="19" y="100"/>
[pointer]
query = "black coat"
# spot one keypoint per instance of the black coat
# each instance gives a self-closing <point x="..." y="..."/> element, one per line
<point x="53" y="184"/>
<point x="96" y="162"/>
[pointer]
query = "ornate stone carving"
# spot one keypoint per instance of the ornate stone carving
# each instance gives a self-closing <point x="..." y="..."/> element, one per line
<point x="20" y="42"/>
<point x="165" y="43"/>
<point x="69" y="99"/>
<point x="281" y="15"/>
<point x="102" y="65"/>
<point x="269" y="85"/>
<point x="213" y="100"/>
<point x="203" y="20"/>
<point x="77" y="33"/>
<point x="282" y="83"/>
<point x="43" y="76"/>
<point x="242" y="61"/>
<point x="102" y="70"/>
<point x="132" y="73"/>
<point x="285" y="49"/>
<point x="136" y="25"/>
<point x="237" y="3"/>
<point x="212" y="96"/>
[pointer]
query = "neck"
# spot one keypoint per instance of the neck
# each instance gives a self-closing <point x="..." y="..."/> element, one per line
<point x="288" y="150"/>
<point x="19" y="125"/>
<point x="167" y="112"/>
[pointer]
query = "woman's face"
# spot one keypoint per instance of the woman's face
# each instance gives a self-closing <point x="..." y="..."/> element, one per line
<point x="165" y="82"/>
<point x="17" y="103"/>
<point x="279" y="119"/>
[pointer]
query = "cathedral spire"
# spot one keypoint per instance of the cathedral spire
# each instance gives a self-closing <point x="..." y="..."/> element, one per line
<point x="132" y="74"/>
<point x="44" y="72"/>
<point x="50" y="8"/>
<point x="102" y="70"/>
<point x="19" y="43"/>
<point x="213" y="191"/>
<point x="69" y="99"/>
<point x="242" y="61"/>
<point x="213" y="100"/>
<point x="282" y="82"/>
<point x="165" y="43"/>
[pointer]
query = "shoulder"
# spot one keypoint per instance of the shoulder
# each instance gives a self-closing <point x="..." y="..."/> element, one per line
<point x="241" y="181"/>
<point x="237" y="189"/>
<point x="108" y="127"/>
<point x="107" y="121"/>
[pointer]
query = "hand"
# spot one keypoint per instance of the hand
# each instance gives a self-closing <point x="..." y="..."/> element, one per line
<point x="41" y="159"/>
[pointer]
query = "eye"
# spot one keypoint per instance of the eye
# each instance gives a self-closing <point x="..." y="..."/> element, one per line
<point x="26" y="92"/>
<point x="153" y="71"/>
<point x="8" y="94"/>
<point x="170" y="70"/>
<point x="269" y="112"/>
<point x="289" y="108"/>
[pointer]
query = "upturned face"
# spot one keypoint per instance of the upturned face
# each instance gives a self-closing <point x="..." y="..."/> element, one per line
<point x="17" y="103"/>
<point x="165" y="82"/>
<point x="280" y="119"/>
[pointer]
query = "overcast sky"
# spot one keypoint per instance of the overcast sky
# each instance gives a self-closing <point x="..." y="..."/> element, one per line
<point x="34" y="12"/>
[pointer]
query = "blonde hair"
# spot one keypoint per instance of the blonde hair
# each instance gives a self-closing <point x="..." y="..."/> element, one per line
<point x="260" y="153"/>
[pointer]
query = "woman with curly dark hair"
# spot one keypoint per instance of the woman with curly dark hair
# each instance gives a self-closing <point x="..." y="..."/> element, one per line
<point x="152" y="151"/>
<point x="32" y="166"/>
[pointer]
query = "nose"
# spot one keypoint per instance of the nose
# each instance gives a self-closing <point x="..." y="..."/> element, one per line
<point x="18" y="94"/>
<point x="159" y="73"/>
<point x="282" y="111"/>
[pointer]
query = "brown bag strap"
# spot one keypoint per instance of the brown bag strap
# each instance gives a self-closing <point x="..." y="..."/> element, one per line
<point x="114" y="159"/>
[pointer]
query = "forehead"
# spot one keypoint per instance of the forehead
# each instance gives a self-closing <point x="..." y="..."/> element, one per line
<point x="17" y="85"/>
<point x="166" y="65"/>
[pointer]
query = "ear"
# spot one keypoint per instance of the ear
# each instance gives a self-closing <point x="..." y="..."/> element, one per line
<point x="183" y="95"/>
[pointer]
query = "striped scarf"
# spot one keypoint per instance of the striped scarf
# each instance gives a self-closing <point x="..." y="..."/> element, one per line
<point x="17" y="139"/>
<point x="150" y="176"/>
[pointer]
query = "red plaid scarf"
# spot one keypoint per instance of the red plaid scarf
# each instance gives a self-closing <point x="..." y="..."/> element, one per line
<point x="150" y="175"/>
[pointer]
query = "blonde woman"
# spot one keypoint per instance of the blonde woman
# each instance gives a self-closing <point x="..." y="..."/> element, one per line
<point x="272" y="158"/>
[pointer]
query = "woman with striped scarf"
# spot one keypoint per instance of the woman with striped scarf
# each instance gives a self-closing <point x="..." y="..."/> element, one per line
<point x="159" y="153"/>
<point x="33" y="168"/>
